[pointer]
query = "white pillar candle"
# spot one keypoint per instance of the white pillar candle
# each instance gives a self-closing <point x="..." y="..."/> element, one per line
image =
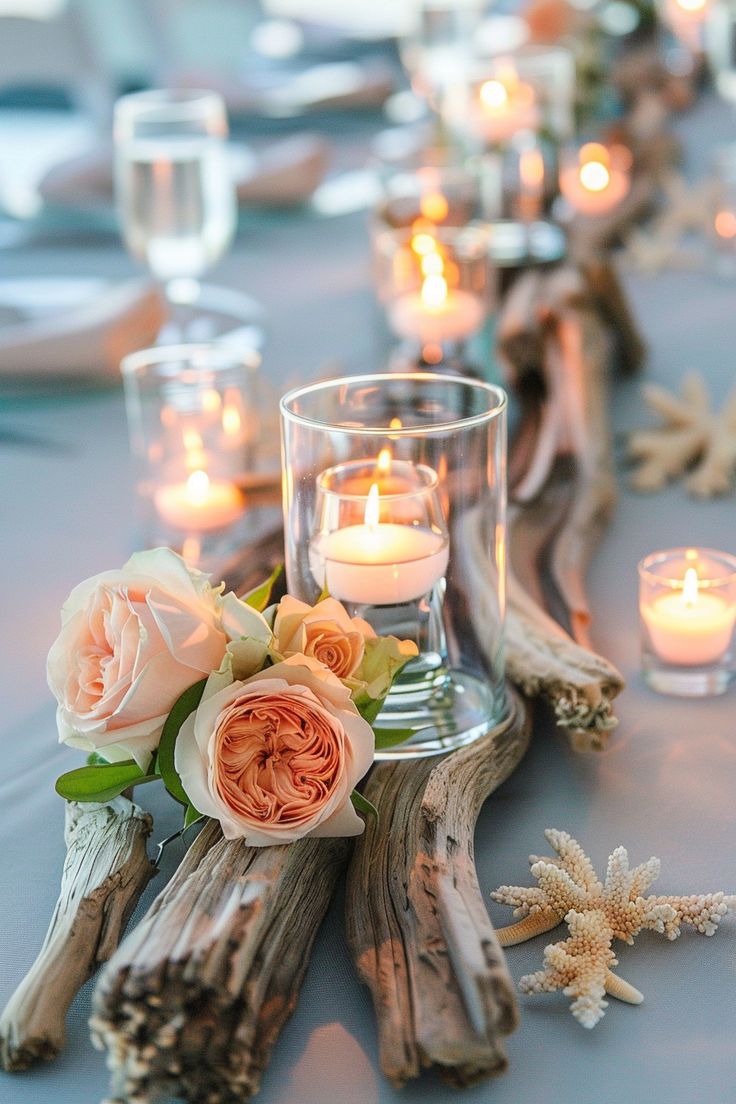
<point x="199" y="504"/>
<point x="689" y="626"/>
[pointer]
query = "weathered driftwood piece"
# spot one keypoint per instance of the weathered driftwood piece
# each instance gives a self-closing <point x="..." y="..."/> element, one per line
<point x="105" y="871"/>
<point x="416" y="921"/>
<point x="194" y="999"/>
<point x="563" y="490"/>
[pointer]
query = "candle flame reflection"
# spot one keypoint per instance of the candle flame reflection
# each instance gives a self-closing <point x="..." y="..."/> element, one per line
<point x="434" y="291"/>
<point x="434" y="206"/>
<point x="383" y="463"/>
<point x="690" y="587"/>
<point x="372" y="507"/>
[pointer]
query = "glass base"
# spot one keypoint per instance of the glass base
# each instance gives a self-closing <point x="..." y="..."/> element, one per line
<point x="681" y="682"/>
<point x="206" y="312"/>
<point x="444" y="709"/>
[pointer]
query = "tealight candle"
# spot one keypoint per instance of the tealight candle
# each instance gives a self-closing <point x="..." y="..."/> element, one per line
<point x="199" y="504"/>
<point x="436" y="313"/>
<point x="504" y="105"/>
<point x="596" y="180"/>
<point x="380" y="562"/>
<point x="688" y="609"/>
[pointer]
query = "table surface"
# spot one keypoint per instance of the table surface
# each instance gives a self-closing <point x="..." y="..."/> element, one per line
<point x="665" y="786"/>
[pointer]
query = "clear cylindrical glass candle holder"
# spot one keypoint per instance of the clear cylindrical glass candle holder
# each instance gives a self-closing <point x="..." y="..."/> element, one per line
<point x="193" y="429"/>
<point x="394" y="502"/>
<point x="723" y="225"/>
<point x="687" y="609"/>
<point x="436" y="288"/>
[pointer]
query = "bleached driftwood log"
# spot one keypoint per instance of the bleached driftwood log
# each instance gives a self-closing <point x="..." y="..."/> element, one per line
<point x="416" y="921"/>
<point x="563" y="490"/>
<point x="192" y="1002"/>
<point x="105" y="871"/>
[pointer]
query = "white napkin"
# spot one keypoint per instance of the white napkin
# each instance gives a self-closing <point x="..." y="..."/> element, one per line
<point x="85" y="342"/>
<point x="283" y="173"/>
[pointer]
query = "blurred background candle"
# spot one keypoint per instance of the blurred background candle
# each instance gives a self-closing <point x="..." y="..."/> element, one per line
<point x="595" y="178"/>
<point x="504" y="104"/>
<point x="687" y="603"/>
<point x="199" y="504"/>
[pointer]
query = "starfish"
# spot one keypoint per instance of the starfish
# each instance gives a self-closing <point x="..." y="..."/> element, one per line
<point x="691" y="434"/>
<point x="596" y="913"/>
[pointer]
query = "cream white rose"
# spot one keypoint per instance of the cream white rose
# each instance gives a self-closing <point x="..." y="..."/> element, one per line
<point x="275" y="757"/>
<point x="131" y="642"/>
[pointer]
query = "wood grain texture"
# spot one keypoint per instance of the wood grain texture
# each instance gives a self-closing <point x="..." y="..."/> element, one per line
<point x="195" y="998"/>
<point x="418" y="928"/>
<point x="105" y="871"/>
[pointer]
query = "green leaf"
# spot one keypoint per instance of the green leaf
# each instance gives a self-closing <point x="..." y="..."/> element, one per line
<point x="94" y="759"/>
<point x="390" y="737"/>
<point x="260" y="596"/>
<point x="101" y="782"/>
<point x="191" y="816"/>
<point x="363" y="805"/>
<point x="182" y="709"/>
<point x="368" y="707"/>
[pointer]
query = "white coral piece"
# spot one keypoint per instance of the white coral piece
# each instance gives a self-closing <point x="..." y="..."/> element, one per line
<point x="691" y="435"/>
<point x="596" y="913"/>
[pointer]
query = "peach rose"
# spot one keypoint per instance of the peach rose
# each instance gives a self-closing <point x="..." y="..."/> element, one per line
<point x="275" y="757"/>
<point x="131" y="642"/>
<point x="324" y="631"/>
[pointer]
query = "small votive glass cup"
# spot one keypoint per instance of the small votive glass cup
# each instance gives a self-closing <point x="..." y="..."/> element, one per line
<point x="394" y="503"/>
<point x="723" y="226"/>
<point x="436" y="286"/>
<point x="193" y="427"/>
<point x="687" y="610"/>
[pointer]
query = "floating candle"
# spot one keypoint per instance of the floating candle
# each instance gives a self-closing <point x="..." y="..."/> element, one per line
<point x="596" y="180"/>
<point x="687" y="625"/>
<point x="200" y="504"/>
<point x="379" y="563"/>
<point x="435" y="313"/>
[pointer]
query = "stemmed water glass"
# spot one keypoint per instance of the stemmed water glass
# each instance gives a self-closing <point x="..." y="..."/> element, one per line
<point x="176" y="201"/>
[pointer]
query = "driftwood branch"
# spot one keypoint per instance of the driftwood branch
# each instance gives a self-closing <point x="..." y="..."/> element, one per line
<point x="554" y="331"/>
<point x="105" y="871"/>
<point x="194" y="1000"/>
<point x="416" y="921"/>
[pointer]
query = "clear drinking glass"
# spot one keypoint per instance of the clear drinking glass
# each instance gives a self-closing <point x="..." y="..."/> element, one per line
<point x="394" y="499"/>
<point x="195" y="425"/>
<point x="439" y="44"/>
<point x="176" y="197"/>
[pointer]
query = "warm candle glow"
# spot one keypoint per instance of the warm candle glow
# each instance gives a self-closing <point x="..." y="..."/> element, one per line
<point x="434" y="206"/>
<point x="192" y="440"/>
<point x="372" y="507"/>
<point x="594" y="176"/>
<point x="198" y="487"/>
<point x="690" y="587"/>
<point x="692" y="6"/>
<point x="423" y="244"/>
<point x="231" y="421"/>
<point x="383" y="463"/>
<point x="531" y="170"/>
<point x="494" y="94"/>
<point x="434" y="291"/>
<point x="725" y="224"/>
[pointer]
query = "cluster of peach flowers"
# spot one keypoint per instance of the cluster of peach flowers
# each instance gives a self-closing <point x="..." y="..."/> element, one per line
<point x="281" y="733"/>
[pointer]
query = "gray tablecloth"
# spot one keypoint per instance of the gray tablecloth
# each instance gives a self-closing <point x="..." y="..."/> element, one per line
<point x="667" y="785"/>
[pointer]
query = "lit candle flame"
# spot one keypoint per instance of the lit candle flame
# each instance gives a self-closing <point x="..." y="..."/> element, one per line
<point x="395" y="423"/>
<point x="434" y="291"/>
<point x="432" y="264"/>
<point x="372" y="507"/>
<point x="690" y="587"/>
<point x="231" y="421"/>
<point x="423" y="244"/>
<point x="494" y="94"/>
<point x="691" y="5"/>
<point x="198" y="487"/>
<point x="434" y="206"/>
<point x="383" y="463"/>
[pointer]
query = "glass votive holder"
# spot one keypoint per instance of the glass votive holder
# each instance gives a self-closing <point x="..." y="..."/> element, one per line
<point x="435" y="286"/>
<point x="687" y="608"/>
<point x="194" y="426"/>
<point x="394" y="500"/>
<point x="438" y="43"/>
<point x="595" y="178"/>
